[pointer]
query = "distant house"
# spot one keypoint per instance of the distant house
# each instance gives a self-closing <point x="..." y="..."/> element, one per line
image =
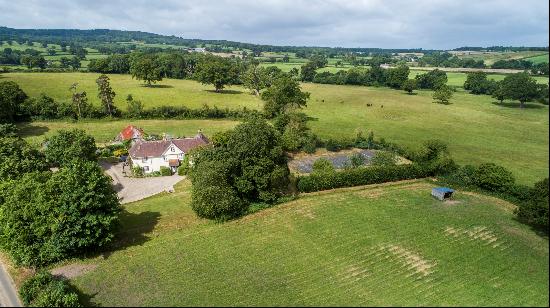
<point x="151" y="155"/>
<point x="130" y="132"/>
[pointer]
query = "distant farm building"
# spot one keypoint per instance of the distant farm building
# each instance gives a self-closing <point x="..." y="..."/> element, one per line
<point x="442" y="193"/>
<point x="130" y="132"/>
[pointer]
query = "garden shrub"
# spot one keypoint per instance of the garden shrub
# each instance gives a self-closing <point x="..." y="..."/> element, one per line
<point x="165" y="171"/>
<point x="357" y="160"/>
<point x="137" y="171"/>
<point x="384" y="158"/>
<point x="322" y="165"/>
<point x="46" y="290"/>
<point x="333" y="145"/>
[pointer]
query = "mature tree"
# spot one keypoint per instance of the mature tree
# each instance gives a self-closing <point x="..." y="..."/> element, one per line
<point x="477" y="83"/>
<point x="308" y="71"/>
<point x="443" y="95"/>
<point x="409" y="85"/>
<point x="75" y="63"/>
<point x="43" y="107"/>
<point x="65" y="62"/>
<point x="534" y="211"/>
<point x="17" y="157"/>
<point x="212" y="195"/>
<point x="106" y="94"/>
<point x="498" y="93"/>
<point x="254" y="78"/>
<point x="521" y="87"/>
<point x="248" y="165"/>
<point x="134" y="107"/>
<point x="69" y="145"/>
<point x="284" y="94"/>
<point x="217" y="71"/>
<point x="11" y="98"/>
<point x="47" y="217"/>
<point x="52" y="51"/>
<point x="395" y="77"/>
<point x="286" y="58"/>
<point x="80" y="102"/>
<point x="318" y="60"/>
<point x="146" y="67"/>
<point x="431" y="80"/>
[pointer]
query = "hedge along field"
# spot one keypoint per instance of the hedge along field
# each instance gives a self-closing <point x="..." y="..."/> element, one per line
<point x="475" y="128"/>
<point x="356" y="247"/>
<point x="172" y="92"/>
<point x="106" y="130"/>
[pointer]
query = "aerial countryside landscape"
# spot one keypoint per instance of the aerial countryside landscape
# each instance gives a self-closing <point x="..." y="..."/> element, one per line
<point x="278" y="153"/>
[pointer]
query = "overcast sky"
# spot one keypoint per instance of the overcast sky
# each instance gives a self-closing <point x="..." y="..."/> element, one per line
<point x="439" y="24"/>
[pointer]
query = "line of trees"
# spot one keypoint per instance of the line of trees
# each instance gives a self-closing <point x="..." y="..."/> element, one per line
<point x="519" y="87"/>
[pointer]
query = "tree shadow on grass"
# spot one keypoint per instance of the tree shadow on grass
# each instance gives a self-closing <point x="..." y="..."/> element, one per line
<point x="133" y="231"/>
<point x="28" y="129"/>
<point x="159" y="86"/>
<point x="516" y="105"/>
<point x="225" y="91"/>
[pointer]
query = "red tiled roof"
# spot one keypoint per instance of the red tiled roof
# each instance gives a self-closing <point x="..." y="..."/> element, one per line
<point x="130" y="132"/>
<point x="157" y="148"/>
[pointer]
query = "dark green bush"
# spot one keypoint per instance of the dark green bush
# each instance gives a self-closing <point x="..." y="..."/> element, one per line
<point x="333" y="145"/>
<point x="361" y="176"/>
<point x="534" y="210"/>
<point x="46" y="290"/>
<point x="492" y="177"/>
<point x="165" y="171"/>
<point x="183" y="169"/>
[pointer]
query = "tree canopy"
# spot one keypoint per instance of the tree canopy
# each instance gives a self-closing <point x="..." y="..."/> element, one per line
<point x="217" y="71"/>
<point x="283" y="95"/>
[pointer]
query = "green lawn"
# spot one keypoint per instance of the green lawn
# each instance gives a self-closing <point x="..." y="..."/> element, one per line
<point x="475" y="128"/>
<point x="392" y="245"/>
<point x="106" y="130"/>
<point x="172" y="92"/>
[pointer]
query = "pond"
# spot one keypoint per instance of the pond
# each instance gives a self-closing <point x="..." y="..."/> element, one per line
<point x="304" y="164"/>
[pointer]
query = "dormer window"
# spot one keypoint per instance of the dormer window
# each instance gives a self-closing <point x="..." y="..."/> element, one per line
<point x="172" y="149"/>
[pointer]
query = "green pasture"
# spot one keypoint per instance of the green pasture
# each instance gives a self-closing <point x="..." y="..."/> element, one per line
<point x="491" y="57"/>
<point x="475" y="127"/>
<point x="388" y="245"/>
<point x="106" y="130"/>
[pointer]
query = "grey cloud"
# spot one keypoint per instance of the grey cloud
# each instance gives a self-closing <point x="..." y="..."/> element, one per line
<point x="352" y="23"/>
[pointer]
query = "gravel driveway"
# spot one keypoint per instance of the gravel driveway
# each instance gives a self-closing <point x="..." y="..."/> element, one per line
<point x="133" y="189"/>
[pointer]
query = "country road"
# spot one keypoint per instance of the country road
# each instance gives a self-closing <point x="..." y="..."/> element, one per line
<point x="8" y="294"/>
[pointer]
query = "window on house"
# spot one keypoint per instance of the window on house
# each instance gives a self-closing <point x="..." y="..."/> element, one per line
<point x="172" y="149"/>
<point x="146" y="168"/>
<point x="144" y="159"/>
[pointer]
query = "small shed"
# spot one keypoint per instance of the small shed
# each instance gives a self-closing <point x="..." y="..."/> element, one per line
<point x="442" y="193"/>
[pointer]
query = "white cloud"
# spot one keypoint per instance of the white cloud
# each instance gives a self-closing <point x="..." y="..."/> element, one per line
<point x="359" y="23"/>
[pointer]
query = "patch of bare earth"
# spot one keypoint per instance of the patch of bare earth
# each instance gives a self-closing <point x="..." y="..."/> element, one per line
<point x="480" y="233"/>
<point x="414" y="261"/>
<point x="73" y="270"/>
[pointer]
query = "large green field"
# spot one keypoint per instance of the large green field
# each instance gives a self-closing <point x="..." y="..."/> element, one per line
<point x="388" y="245"/>
<point x="491" y="57"/>
<point x="475" y="127"/>
<point x="172" y="92"/>
<point x="106" y="130"/>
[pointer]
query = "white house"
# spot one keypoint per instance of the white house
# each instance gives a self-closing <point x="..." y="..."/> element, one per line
<point x="151" y="155"/>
